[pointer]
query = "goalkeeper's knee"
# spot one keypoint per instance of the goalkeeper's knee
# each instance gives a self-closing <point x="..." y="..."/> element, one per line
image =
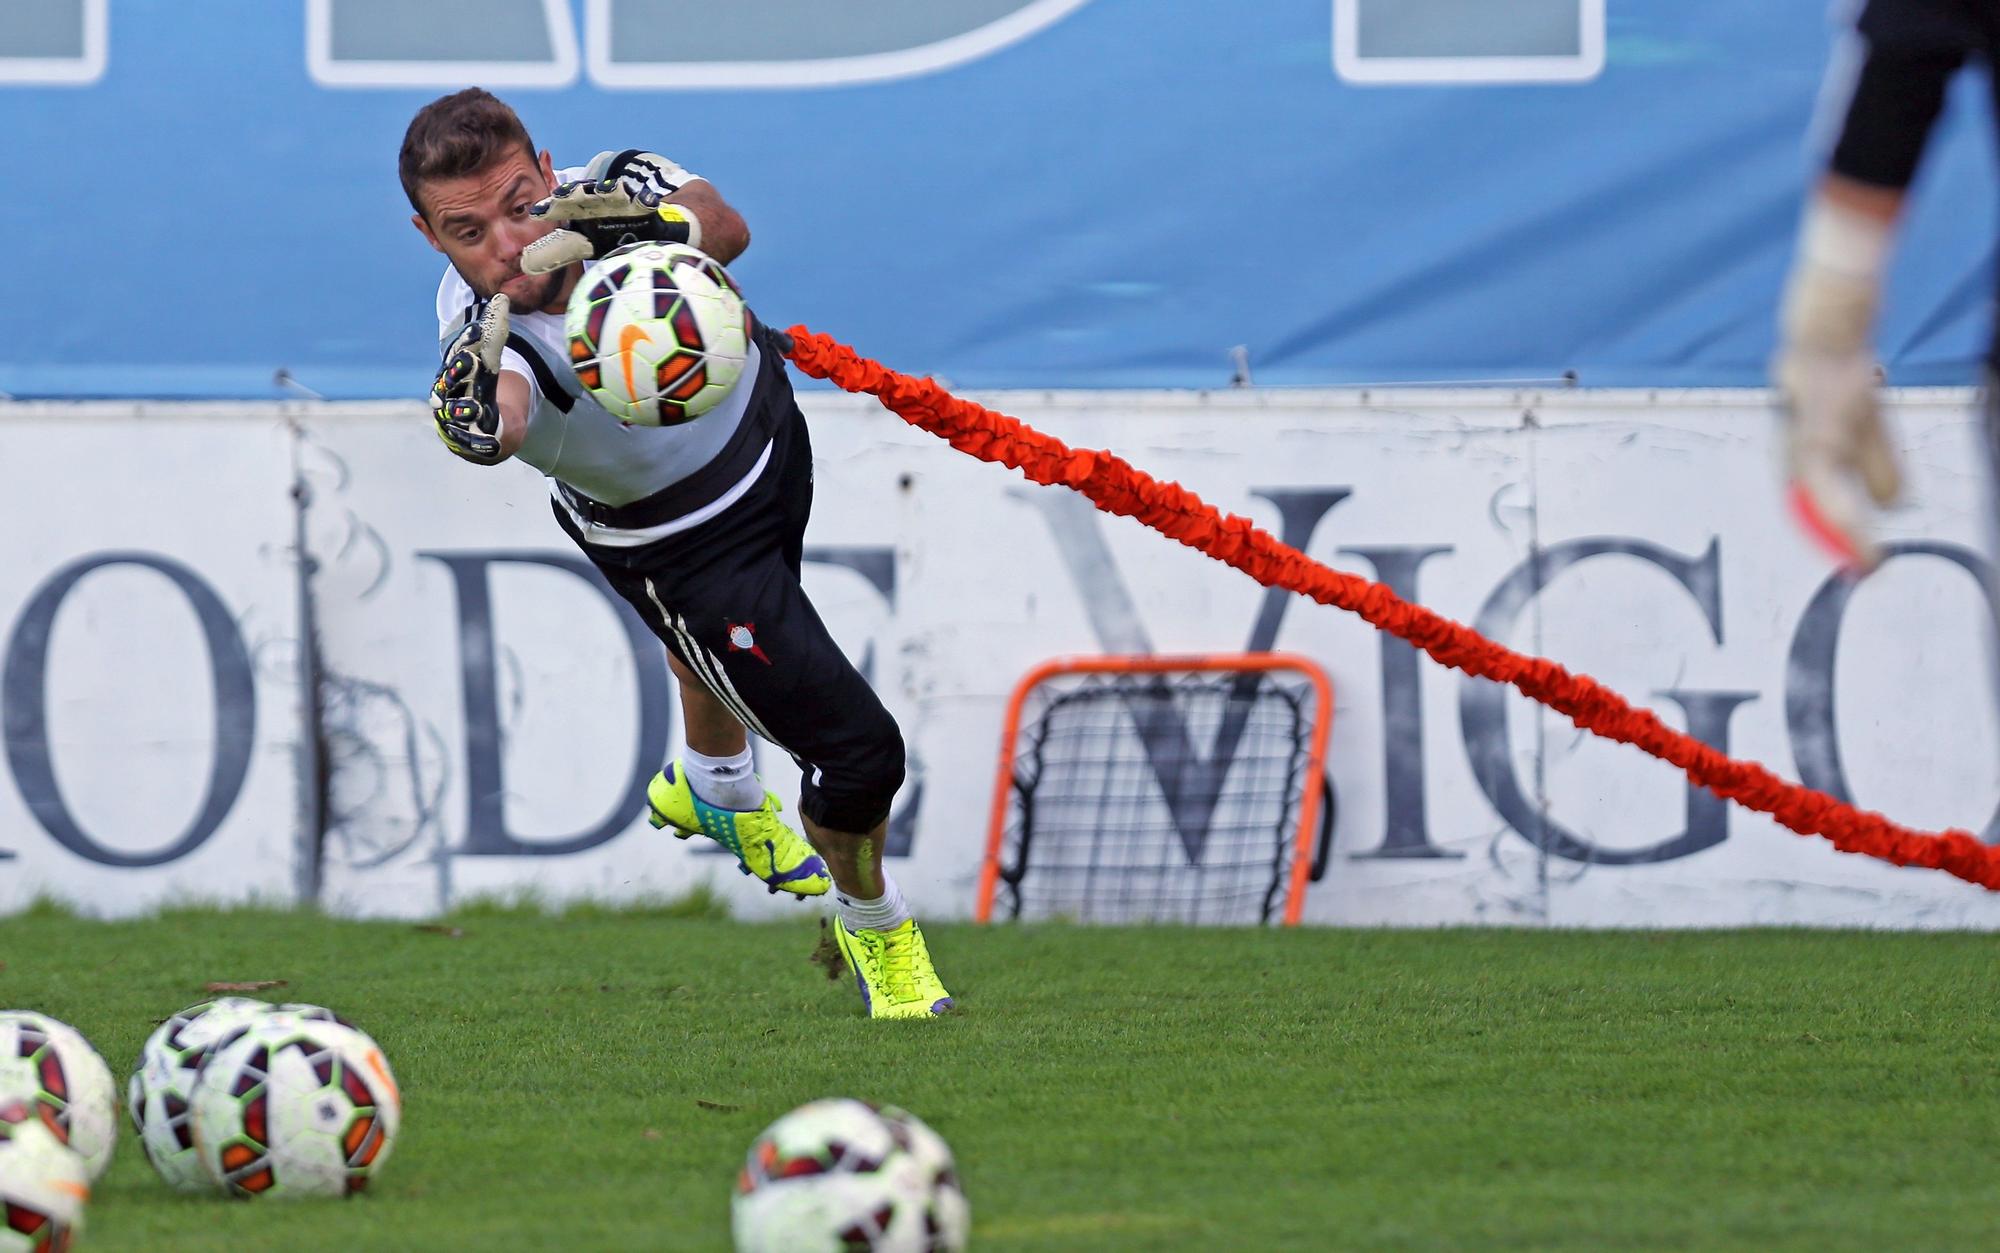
<point x="849" y="783"/>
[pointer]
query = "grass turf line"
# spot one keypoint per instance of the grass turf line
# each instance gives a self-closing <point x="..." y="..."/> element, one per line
<point x="1108" y="1089"/>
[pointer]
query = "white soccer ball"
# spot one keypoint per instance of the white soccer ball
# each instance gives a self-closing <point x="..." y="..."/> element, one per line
<point x="841" y="1175"/>
<point x="950" y="1212"/>
<point x="161" y="1085"/>
<point x="290" y="1106"/>
<point x="43" y="1185"/>
<point x="658" y="333"/>
<point x="49" y="1067"/>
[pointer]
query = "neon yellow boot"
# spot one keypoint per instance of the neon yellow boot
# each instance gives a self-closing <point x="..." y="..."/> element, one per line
<point x="893" y="970"/>
<point x="763" y="844"/>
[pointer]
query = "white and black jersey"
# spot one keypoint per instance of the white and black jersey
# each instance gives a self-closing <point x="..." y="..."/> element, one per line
<point x="623" y="485"/>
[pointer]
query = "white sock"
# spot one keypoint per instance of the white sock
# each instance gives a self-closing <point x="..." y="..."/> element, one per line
<point x="724" y="782"/>
<point x="885" y="913"/>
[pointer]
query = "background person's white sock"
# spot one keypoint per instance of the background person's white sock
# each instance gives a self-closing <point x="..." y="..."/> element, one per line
<point x="885" y="913"/>
<point x="724" y="782"/>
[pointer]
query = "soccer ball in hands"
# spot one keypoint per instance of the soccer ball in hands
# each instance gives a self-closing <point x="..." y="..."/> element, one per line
<point x="49" y="1067"/>
<point x="658" y="333"/>
<point x="843" y="1176"/>
<point x="43" y="1185"/>
<point x="160" y="1087"/>
<point x="292" y="1106"/>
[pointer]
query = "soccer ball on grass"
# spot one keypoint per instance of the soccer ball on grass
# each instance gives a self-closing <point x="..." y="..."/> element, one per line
<point x="844" y="1176"/>
<point x="159" y="1090"/>
<point x="49" y="1067"/>
<point x="291" y="1106"/>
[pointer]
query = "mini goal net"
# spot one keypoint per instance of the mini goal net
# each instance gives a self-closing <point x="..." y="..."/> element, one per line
<point x="1160" y="789"/>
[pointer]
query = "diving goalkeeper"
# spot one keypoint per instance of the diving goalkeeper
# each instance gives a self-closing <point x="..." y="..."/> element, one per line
<point x="701" y="526"/>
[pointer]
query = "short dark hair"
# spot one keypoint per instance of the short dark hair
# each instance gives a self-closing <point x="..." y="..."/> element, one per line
<point x="456" y="135"/>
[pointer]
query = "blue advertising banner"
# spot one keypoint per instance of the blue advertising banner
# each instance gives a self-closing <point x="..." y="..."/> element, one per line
<point x="1046" y="193"/>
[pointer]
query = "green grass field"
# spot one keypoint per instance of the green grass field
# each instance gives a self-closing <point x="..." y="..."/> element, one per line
<point x="592" y="1080"/>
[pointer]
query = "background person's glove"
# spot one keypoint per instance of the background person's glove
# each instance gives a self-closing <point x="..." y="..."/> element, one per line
<point x="465" y="398"/>
<point x="624" y="203"/>
<point x="1837" y="451"/>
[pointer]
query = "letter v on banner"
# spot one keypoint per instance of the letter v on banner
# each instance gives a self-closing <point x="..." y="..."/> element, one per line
<point x="1190" y="782"/>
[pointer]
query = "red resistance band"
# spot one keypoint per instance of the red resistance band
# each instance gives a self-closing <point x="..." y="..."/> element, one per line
<point x="1117" y="487"/>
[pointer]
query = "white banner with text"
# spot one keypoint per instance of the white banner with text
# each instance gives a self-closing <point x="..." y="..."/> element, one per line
<point x="478" y="714"/>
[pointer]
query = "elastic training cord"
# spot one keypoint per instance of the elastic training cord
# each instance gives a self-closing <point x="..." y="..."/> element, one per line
<point x="1118" y="488"/>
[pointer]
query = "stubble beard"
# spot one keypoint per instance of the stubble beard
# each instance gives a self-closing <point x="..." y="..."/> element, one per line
<point x="546" y="293"/>
<point x="539" y="297"/>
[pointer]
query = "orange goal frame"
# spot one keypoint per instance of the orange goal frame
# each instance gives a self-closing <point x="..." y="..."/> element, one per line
<point x="1003" y="780"/>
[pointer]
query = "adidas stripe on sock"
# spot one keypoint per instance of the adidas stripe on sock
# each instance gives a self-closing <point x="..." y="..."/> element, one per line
<point x="724" y="782"/>
<point x="885" y="913"/>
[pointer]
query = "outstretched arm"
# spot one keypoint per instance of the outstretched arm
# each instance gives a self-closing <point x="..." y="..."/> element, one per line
<point x="633" y="197"/>
<point x="480" y="408"/>
<point x="724" y="233"/>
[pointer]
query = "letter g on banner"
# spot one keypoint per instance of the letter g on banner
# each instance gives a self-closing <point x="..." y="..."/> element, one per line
<point x="1811" y="713"/>
<point x="24" y="696"/>
<point x="1483" y="709"/>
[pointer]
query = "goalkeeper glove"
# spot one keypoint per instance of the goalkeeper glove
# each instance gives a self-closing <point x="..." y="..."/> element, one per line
<point x="1837" y="450"/>
<point x="625" y="204"/>
<point x="465" y="398"/>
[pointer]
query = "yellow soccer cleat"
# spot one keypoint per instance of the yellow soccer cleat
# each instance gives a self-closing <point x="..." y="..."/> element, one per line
<point x="763" y="844"/>
<point x="893" y="970"/>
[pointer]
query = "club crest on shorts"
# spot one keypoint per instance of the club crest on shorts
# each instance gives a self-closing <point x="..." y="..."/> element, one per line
<point x="743" y="639"/>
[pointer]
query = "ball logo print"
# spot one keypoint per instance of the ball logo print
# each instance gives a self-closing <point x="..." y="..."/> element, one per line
<point x="628" y="339"/>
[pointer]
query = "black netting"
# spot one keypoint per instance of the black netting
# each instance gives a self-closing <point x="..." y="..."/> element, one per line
<point x="1157" y="798"/>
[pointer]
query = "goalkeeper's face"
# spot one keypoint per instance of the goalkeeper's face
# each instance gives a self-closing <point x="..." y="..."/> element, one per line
<point x="481" y="222"/>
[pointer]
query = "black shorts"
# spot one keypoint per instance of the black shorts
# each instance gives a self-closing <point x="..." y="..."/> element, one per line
<point x="725" y="598"/>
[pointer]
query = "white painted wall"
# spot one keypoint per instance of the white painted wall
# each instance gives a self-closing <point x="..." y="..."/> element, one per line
<point x="1674" y="493"/>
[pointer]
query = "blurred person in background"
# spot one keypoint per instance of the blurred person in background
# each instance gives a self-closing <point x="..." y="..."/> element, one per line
<point x="1840" y="457"/>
